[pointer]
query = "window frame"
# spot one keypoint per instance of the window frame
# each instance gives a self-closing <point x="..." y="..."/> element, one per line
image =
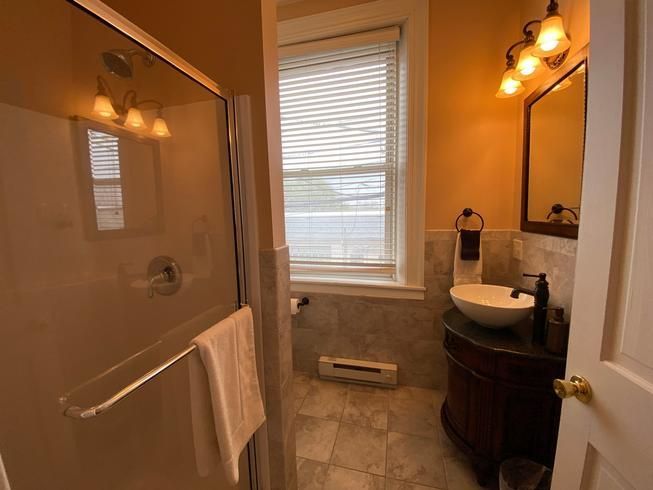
<point x="412" y="18"/>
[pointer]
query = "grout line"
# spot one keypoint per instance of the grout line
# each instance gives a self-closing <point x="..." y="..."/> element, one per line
<point x="387" y="426"/>
<point x="335" y="441"/>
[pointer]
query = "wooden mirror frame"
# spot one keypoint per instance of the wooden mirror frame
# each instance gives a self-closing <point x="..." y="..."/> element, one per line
<point x="544" y="228"/>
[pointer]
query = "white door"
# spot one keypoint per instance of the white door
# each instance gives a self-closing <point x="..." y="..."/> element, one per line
<point x="608" y="443"/>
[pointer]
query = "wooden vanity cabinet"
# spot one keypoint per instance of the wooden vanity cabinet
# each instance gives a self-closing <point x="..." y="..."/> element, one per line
<point x="500" y="401"/>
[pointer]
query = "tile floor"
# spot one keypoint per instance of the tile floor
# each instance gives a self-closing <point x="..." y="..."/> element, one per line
<point x="364" y="438"/>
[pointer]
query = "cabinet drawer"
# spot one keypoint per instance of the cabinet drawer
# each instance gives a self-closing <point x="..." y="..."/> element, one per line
<point x="526" y="371"/>
<point x="471" y="356"/>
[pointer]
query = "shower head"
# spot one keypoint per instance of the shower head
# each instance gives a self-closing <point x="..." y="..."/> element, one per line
<point x="120" y="62"/>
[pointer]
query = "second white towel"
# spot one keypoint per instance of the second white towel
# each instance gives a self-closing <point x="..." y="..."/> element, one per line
<point x="226" y="404"/>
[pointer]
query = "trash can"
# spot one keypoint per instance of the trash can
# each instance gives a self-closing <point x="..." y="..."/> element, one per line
<point x="523" y="474"/>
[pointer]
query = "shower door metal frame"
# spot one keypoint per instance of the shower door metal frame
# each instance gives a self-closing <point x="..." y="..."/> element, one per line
<point x="115" y="21"/>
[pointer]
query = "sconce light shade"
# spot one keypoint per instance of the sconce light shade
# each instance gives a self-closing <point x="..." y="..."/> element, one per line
<point x="528" y="66"/>
<point x="562" y="85"/>
<point x="104" y="108"/>
<point x="509" y="86"/>
<point x="552" y="39"/>
<point x="160" y="128"/>
<point x="134" y="119"/>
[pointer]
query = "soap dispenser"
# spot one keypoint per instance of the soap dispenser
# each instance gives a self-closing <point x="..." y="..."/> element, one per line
<point x="557" y="332"/>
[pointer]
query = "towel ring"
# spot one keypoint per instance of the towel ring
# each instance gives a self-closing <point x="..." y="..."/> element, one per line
<point x="468" y="212"/>
<point x="559" y="208"/>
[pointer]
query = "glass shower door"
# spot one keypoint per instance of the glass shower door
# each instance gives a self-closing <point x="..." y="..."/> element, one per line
<point x="112" y="165"/>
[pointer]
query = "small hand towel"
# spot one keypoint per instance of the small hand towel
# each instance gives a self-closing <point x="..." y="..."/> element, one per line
<point x="226" y="404"/>
<point x="467" y="271"/>
<point x="470" y="244"/>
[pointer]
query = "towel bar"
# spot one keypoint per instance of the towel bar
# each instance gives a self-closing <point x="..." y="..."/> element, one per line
<point x="76" y="412"/>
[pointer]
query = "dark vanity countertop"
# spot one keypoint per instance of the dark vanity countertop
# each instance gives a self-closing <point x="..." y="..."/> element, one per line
<point x="510" y="339"/>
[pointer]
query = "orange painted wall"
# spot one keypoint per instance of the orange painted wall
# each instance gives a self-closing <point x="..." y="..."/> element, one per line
<point x="224" y="40"/>
<point x="472" y="135"/>
<point x="474" y="139"/>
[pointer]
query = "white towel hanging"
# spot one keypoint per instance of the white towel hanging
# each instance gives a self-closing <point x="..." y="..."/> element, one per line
<point x="467" y="271"/>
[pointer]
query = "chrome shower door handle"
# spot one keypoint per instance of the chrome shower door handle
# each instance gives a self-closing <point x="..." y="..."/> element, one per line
<point x="165" y="276"/>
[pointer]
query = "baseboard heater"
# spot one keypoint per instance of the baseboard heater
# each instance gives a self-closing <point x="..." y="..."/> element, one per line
<point x="357" y="371"/>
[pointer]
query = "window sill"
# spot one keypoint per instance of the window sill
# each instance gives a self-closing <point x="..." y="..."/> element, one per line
<point x="369" y="289"/>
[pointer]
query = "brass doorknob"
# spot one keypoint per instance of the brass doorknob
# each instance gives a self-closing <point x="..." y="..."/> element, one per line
<point x="577" y="386"/>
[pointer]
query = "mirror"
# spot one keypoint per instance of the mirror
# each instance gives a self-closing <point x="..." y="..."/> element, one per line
<point x="120" y="176"/>
<point x="554" y="146"/>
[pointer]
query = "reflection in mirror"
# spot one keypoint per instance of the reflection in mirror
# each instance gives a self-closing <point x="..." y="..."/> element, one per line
<point x="120" y="176"/>
<point x="554" y="150"/>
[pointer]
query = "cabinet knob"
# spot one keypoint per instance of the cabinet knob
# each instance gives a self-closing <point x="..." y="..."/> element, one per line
<point x="576" y="386"/>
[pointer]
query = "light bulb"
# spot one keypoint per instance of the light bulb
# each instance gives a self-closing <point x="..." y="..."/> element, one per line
<point x="528" y="66"/>
<point x="104" y="108"/>
<point x="552" y="39"/>
<point x="160" y="128"/>
<point x="134" y="119"/>
<point x="509" y="85"/>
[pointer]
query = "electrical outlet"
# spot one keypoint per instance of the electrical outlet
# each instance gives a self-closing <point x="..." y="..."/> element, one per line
<point x="517" y="249"/>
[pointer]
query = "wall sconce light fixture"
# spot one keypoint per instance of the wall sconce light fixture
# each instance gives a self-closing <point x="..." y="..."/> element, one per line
<point x="550" y="49"/>
<point x="128" y="113"/>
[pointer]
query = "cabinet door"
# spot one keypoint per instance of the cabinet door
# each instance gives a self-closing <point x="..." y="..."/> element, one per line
<point x="468" y="397"/>
<point x="525" y="423"/>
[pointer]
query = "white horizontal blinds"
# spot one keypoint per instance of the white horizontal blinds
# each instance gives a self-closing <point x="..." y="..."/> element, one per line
<point x="107" y="185"/>
<point x="339" y="137"/>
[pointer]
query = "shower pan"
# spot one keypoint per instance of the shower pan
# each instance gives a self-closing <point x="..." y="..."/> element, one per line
<point x="118" y="244"/>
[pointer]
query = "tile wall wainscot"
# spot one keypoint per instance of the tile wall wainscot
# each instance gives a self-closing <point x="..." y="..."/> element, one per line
<point x="409" y="332"/>
<point x="278" y="366"/>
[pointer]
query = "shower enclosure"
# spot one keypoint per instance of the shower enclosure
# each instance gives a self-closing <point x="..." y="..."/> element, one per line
<point x="120" y="240"/>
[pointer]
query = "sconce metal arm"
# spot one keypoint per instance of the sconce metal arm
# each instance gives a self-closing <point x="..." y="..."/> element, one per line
<point x="510" y="58"/>
<point x="528" y="34"/>
<point x="529" y="37"/>
<point x="552" y="8"/>
<point x="104" y="88"/>
<point x="140" y="103"/>
<point x="125" y="100"/>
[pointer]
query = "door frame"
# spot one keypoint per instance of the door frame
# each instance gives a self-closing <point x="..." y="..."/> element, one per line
<point x="258" y="458"/>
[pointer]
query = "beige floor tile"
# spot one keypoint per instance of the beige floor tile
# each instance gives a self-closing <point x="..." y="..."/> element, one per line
<point x="370" y="389"/>
<point x="414" y="393"/>
<point x="449" y="449"/>
<point x="460" y="475"/>
<point x="315" y="437"/>
<point x="325" y="399"/>
<point x="415" y="416"/>
<point x="311" y="475"/>
<point x="415" y="460"/>
<point x="301" y="383"/>
<point x="366" y="410"/>
<point x="404" y="485"/>
<point x="298" y="404"/>
<point x="345" y="479"/>
<point x="360" y="448"/>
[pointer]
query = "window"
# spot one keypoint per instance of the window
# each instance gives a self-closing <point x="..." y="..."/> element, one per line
<point x="339" y="141"/>
<point x="107" y="184"/>
<point x="353" y="130"/>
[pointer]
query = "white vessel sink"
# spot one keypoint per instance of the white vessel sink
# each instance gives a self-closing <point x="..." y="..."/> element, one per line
<point x="491" y="306"/>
